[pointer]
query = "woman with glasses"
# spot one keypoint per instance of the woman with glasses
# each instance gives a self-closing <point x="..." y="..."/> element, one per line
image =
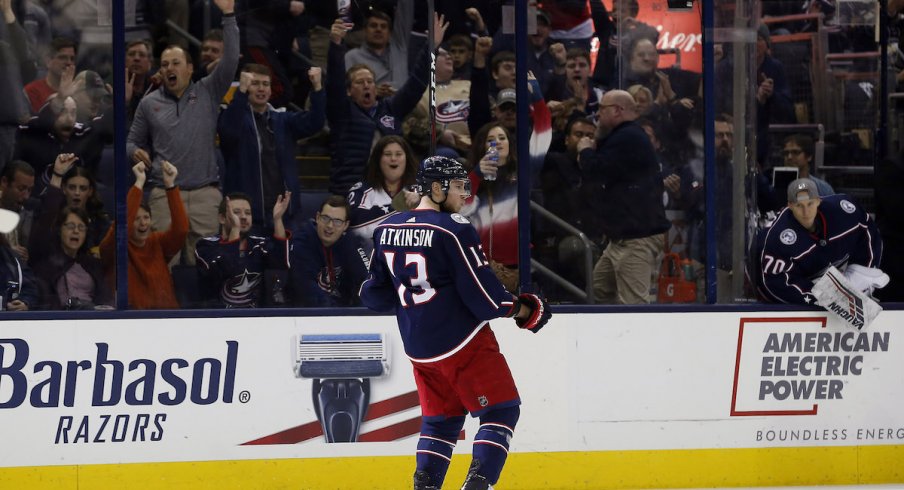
<point x="75" y="187"/>
<point x="70" y="276"/>
<point x="390" y="172"/>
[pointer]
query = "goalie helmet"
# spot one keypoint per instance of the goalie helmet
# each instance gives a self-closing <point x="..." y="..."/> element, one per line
<point x="440" y="169"/>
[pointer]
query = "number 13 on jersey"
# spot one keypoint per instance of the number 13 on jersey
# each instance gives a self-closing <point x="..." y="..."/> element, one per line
<point x="412" y="274"/>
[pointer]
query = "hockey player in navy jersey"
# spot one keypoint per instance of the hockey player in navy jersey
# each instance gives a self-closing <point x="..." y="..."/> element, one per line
<point x="428" y="266"/>
<point x="810" y="235"/>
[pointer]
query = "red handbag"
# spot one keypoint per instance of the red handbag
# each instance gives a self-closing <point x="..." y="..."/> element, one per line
<point x="676" y="280"/>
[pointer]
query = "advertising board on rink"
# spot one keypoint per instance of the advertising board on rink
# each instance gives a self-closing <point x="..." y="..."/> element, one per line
<point x="126" y="391"/>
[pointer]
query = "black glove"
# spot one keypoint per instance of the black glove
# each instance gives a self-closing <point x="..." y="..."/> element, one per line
<point x="539" y="312"/>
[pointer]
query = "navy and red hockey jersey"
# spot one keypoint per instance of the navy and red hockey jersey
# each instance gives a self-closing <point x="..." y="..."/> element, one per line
<point x="236" y="274"/>
<point x="429" y="266"/>
<point x="792" y="258"/>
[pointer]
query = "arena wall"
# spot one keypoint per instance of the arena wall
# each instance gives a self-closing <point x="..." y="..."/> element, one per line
<point x="640" y="400"/>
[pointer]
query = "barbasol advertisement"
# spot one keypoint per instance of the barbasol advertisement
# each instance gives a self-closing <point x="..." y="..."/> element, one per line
<point x="123" y="391"/>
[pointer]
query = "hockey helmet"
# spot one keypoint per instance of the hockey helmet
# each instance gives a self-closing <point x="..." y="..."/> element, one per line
<point x="440" y="169"/>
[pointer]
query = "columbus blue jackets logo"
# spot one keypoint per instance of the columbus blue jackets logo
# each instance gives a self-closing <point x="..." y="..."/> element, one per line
<point x="459" y="218"/>
<point x="453" y="111"/>
<point x="388" y="121"/>
<point x="848" y="206"/>
<point x="788" y="237"/>
<point x="238" y="291"/>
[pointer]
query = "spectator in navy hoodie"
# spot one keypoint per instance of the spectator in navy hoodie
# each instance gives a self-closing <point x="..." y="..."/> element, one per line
<point x="330" y="264"/>
<point x="264" y="166"/>
<point x="355" y="114"/>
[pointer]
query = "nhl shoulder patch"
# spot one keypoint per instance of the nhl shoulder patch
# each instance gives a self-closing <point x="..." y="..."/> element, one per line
<point x="459" y="219"/>
<point x="788" y="237"/>
<point x="848" y="206"/>
<point x="357" y="186"/>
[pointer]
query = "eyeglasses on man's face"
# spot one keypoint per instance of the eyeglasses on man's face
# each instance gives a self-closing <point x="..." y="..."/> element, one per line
<point x="793" y="152"/>
<point x="328" y="220"/>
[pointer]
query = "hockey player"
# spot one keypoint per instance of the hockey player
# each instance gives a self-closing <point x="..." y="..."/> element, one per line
<point x="810" y="235"/>
<point x="428" y="265"/>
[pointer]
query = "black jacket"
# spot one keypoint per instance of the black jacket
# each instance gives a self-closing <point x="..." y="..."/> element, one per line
<point x="17" y="280"/>
<point x="623" y="185"/>
<point x="50" y="269"/>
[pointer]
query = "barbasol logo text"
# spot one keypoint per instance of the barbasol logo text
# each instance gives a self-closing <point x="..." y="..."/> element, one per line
<point x="53" y="383"/>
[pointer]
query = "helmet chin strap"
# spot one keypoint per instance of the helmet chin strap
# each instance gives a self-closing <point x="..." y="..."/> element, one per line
<point x="440" y="203"/>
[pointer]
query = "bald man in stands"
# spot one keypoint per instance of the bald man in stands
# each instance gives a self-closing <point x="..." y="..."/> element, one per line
<point x="623" y="190"/>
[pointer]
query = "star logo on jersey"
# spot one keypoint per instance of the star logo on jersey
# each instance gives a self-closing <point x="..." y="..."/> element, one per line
<point x="247" y="282"/>
<point x="788" y="237"/>
<point x="239" y="290"/>
<point x="482" y="400"/>
<point x="848" y="206"/>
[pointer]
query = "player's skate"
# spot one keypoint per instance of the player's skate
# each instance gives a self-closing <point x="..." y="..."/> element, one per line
<point x="474" y="481"/>
<point x="422" y="481"/>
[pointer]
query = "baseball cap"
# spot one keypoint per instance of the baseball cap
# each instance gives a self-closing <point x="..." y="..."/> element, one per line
<point x="802" y="185"/>
<point x="90" y="82"/>
<point x="543" y="17"/>
<point x="763" y="32"/>
<point x="8" y="220"/>
<point x="505" y="96"/>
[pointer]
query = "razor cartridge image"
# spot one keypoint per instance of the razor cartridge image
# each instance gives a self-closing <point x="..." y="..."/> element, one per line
<point x="341" y="366"/>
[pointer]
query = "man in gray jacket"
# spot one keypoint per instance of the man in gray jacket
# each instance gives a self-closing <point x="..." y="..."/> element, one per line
<point x="178" y="123"/>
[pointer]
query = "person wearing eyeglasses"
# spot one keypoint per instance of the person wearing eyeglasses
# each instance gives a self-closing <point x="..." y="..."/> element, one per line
<point x="234" y="262"/>
<point x="328" y="264"/>
<point x="623" y="191"/>
<point x="73" y="186"/>
<point x="798" y="153"/>
<point x="72" y="278"/>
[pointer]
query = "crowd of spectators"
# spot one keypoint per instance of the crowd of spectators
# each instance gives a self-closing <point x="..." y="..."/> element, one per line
<point x="213" y="135"/>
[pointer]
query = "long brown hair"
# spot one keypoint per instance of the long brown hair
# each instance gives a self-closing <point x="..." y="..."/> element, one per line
<point x="479" y="149"/>
<point x="374" y="174"/>
<point x="94" y="206"/>
<point x="61" y="219"/>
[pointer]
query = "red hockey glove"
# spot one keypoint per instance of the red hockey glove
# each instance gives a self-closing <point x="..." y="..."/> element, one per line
<point x="539" y="312"/>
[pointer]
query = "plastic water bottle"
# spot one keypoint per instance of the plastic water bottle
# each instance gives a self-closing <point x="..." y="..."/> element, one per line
<point x="492" y="154"/>
<point x="688" y="268"/>
<point x="344" y="9"/>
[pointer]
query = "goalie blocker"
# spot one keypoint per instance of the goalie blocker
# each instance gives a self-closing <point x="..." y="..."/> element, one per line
<point x="843" y="301"/>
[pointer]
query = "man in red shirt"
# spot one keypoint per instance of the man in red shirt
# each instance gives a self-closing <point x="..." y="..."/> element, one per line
<point x="60" y="61"/>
